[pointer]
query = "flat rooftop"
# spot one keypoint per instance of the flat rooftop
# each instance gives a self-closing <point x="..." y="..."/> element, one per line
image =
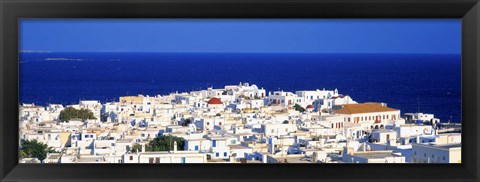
<point x="238" y="147"/>
<point x="295" y="159"/>
<point x="447" y="146"/>
<point x="54" y="156"/>
<point x="124" y="140"/>
<point x="171" y="152"/>
<point x="442" y="146"/>
<point x="90" y="159"/>
<point x="374" y="154"/>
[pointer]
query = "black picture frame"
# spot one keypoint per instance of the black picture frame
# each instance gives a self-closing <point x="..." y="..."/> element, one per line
<point x="13" y="10"/>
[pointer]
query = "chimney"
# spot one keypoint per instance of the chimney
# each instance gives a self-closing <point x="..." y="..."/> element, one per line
<point x="174" y="146"/>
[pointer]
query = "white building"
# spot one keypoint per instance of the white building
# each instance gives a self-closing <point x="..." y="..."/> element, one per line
<point x="421" y="117"/>
<point x="277" y="129"/>
<point x="282" y="98"/>
<point x="384" y="136"/>
<point x="375" y="115"/>
<point x="165" y="157"/>
<point x="382" y="156"/>
<point x="434" y="153"/>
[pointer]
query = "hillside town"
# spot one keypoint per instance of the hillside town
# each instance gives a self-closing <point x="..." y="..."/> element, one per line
<point x="238" y="124"/>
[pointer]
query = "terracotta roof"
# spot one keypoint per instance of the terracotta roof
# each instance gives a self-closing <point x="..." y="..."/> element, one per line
<point x="363" y="108"/>
<point x="214" y="101"/>
<point x="309" y="107"/>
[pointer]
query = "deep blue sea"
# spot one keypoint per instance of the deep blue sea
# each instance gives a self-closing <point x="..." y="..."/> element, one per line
<point x="430" y="83"/>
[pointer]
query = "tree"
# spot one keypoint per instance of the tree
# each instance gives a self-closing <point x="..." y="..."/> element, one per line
<point x="22" y="154"/>
<point x="71" y="113"/>
<point x="34" y="149"/>
<point x="299" y="108"/>
<point x="136" y="147"/>
<point x="165" y="143"/>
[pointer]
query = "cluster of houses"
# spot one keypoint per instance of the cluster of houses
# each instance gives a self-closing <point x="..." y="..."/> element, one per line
<point x="240" y="124"/>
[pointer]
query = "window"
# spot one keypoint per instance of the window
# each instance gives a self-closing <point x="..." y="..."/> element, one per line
<point x="214" y="143"/>
<point x="131" y="158"/>
<point x="225" y="154"/>
<point x="196" y="148"/>
<point x="216" y="154"/>
<point x="443" y="157"/>
<point x="184" y="160"/>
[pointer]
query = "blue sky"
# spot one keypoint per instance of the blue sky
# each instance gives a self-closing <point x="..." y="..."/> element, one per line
<point x="431" y="36"/>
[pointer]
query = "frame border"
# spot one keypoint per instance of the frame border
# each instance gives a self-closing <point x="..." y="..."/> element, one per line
<point x="13" y="10"/>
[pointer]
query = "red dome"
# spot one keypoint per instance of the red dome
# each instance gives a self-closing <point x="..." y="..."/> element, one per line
<point x="214" y="101"/>
<point x="309" y="107"/>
